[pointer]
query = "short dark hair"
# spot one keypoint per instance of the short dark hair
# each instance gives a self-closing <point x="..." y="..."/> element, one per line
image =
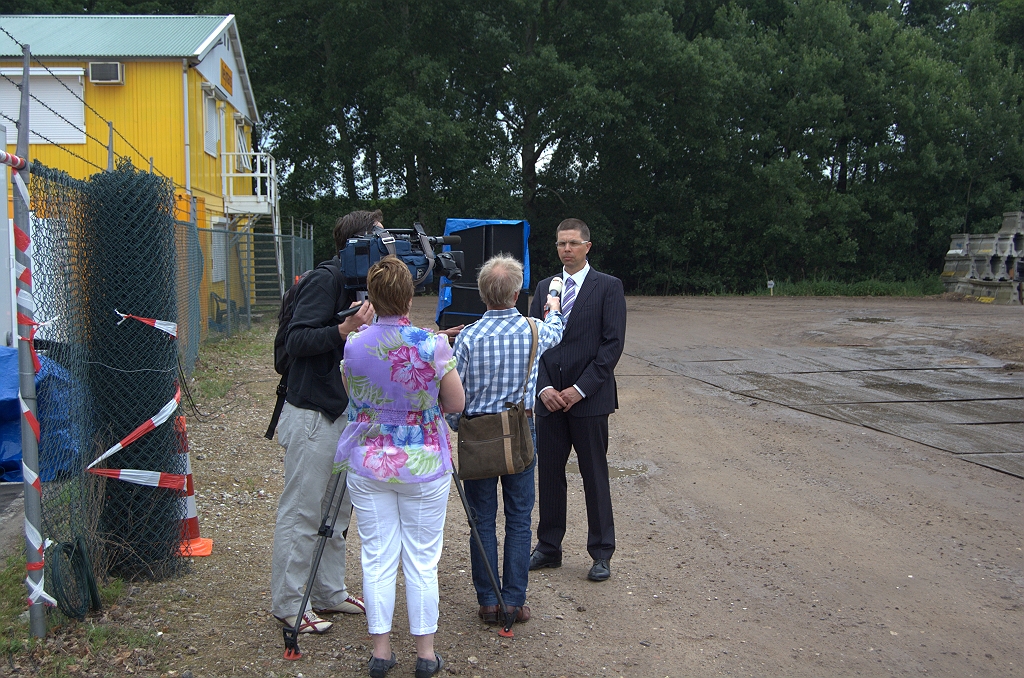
<point x="353" y="224"/>
<point x="389" y="284"/>
<point x="574" y="225"/>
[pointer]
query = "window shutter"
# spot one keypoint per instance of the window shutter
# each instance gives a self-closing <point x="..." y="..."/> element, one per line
<point x="212" y="131"/>
<point x="53" y="93"/>
<point x="220" y="255"/>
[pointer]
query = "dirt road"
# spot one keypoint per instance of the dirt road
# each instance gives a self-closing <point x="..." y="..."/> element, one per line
<point x="754" y="539"/>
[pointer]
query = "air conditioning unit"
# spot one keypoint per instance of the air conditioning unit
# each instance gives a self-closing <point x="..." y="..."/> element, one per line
<point x="106" y="73"/>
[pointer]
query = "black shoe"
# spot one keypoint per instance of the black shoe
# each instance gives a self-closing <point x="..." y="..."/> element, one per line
<point x="539" y="560"/>
<point x="426" y="668"/>
<point x="380" y="667"/>
<point x="600" y="570"/>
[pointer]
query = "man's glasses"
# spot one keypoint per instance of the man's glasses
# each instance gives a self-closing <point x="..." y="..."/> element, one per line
<point x="562" y="244"/>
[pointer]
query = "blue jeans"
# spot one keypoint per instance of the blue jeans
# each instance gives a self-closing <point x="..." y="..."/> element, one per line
<point x="518" y="493"/>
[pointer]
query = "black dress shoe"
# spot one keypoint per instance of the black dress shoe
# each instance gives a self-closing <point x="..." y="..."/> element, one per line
<point x="539" y="560"/>
<point x="600" y="571"/>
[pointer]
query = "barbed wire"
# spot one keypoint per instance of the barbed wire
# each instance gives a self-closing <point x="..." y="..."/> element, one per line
<point x="54" y="143"/>
<point x="141" y="154"/>
<point x="44" y="105"/>
<point x="55" y="76"/>
<point x="85" y="103"/>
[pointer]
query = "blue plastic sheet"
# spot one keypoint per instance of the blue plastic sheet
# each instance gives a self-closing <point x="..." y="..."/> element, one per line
<point x="56" y="392"/>
<point x="10" y="416"/>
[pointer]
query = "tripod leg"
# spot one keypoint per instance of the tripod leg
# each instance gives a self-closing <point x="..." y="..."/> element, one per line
<point x="329" y="509"/>
<point x="509" y="617"/>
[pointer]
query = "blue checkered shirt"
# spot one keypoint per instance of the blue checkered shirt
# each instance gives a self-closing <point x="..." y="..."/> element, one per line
<point x="491" y="357"/>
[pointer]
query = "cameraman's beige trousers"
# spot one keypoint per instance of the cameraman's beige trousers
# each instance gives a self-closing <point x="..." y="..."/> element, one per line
<point x="310" y="440"/>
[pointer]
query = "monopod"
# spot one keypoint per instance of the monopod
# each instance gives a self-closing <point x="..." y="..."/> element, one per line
<point x="329" y="509"/>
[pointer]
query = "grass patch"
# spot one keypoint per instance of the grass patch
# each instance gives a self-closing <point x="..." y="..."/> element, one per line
<point x="919" y="287"/>
<point x="13" y="595"/>
<point x="217" y="367"/>
<point x="96" y="645"/>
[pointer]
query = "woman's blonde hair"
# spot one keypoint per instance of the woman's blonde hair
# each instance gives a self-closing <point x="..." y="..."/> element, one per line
<point x="390" y="286"/>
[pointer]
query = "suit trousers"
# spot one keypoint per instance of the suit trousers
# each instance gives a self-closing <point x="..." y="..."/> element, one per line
<point x="557" y="434"/>
<point x="310" y="440"/>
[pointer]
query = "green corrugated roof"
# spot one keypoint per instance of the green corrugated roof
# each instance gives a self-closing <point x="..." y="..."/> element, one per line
<point x="83" y="35"/>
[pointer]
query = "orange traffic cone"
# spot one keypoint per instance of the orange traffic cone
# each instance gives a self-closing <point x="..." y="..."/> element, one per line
<point x="191" y="543"/>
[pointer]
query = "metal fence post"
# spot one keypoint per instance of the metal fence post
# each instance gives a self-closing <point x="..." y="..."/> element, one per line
<point x="26" y="369"/>
<point x="110" y="147"/>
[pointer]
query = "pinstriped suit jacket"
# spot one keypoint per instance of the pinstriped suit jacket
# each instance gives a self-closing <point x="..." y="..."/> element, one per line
<point x="592" y="342"/>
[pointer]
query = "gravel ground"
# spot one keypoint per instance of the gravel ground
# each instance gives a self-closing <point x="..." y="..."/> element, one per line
<point x="753" y="539"/>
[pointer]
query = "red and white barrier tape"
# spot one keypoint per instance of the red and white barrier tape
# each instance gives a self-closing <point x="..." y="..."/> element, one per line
<point x="165" y="325"/>
<point x="35" y="540"/>
<point x="160" y="417"/>
<point x="19" y="184"/>
<point x="34" y="424"/>
<point x="171" y="481"/>
<point x="15" y="161"/>
<point x="31" y="338"/>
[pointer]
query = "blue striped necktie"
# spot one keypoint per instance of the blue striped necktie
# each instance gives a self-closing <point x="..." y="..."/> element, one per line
<point x="568" y="296"/>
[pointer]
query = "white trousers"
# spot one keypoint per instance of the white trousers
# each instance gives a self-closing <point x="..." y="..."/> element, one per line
<point x="400" y="520"/>
<point x="310" y="440"/>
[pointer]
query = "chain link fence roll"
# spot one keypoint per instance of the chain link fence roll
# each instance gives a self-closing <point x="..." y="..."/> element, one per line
<point x="133" y="367"/>
<point x="107" y="246"/>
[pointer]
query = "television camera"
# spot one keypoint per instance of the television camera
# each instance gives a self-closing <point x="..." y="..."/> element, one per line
<point x="412" y="245"/>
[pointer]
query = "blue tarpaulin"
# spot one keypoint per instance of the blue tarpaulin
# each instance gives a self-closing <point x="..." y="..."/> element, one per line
<point x="10" y="416"/>
<point x="56" y="391"/>
<point x="453" y="226"/>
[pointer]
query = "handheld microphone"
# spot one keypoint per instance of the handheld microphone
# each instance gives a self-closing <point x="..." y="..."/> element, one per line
<point x="341" y="315"/>
<point x="445" y="239"/>
<point x="554" y="290"/>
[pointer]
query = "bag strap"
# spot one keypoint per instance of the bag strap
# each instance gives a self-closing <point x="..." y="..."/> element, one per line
<point x="533" y="354"/>
<point x="386" y="238"/>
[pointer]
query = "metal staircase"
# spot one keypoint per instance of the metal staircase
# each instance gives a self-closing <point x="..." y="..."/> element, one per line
<point x="249" y="187"/>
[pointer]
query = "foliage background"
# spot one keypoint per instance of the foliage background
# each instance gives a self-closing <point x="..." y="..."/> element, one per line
<point x="709" y="145"/>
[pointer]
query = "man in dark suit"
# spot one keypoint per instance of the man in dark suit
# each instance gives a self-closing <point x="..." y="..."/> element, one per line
<point x="575" y="395"/>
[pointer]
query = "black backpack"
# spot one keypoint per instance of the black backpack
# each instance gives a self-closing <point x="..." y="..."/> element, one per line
<point x="283" y="361"/>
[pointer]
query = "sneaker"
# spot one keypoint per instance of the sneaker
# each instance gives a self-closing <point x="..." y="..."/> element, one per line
<point x="351" y="605"/>
<point x="311" y="623"/>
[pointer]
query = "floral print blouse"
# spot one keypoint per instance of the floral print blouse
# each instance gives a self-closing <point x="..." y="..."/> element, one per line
<point x="395" y="431"/>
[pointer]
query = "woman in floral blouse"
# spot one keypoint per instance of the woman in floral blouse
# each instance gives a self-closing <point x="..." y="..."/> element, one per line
<point x="397" y="453"/>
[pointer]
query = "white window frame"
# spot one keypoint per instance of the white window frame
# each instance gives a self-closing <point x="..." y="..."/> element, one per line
<point x="52" y="88"/>
<point x="211" y="124"/>
<point x="243" y="163"/>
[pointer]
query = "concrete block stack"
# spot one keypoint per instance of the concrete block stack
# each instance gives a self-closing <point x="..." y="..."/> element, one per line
<point x="986" y="265"/>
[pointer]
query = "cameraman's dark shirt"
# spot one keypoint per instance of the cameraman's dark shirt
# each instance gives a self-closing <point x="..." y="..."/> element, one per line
<point x="314" y="379"/>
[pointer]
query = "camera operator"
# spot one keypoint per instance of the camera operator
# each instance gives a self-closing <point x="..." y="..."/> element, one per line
<point x="310" y="426"/>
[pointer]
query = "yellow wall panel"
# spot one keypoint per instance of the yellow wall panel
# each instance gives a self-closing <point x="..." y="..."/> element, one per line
<point x="148" y="116"/>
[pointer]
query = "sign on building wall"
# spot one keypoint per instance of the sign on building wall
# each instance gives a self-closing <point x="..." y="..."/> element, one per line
<point x="226" y="77"/>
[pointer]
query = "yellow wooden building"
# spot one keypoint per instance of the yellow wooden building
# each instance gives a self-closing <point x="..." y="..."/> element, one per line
<point x="170" y="92"/>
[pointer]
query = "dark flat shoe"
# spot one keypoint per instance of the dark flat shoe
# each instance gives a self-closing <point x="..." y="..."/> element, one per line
<point x="539" y="560"/>
<point x="380" y="667"/>
<point x="426" y="668"/>
<point x="600" y="571"/>
<point x="490" y="615"/>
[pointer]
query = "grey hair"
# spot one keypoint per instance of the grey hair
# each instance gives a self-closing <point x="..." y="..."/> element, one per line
<point x="499" y="279"/>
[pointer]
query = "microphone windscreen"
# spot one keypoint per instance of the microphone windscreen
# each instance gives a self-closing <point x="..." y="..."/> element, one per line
<point x="555" y="287"/>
